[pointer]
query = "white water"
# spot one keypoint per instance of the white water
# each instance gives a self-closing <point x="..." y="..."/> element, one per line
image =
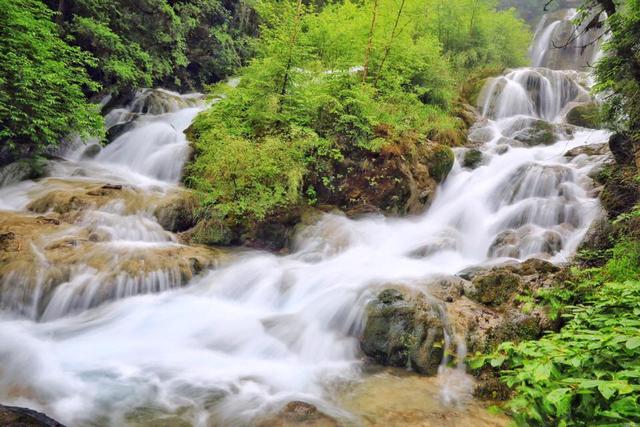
<point x="263" y="330"/>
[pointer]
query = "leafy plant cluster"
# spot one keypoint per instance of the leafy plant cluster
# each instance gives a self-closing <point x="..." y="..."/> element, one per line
<point x="43" y="80"/>
<point x="588" y="373"/>
<point x="57" y="54"/>
<point x="618" y="71"/>
<point x="331" y="82"/>
<point x="142" y="43"/>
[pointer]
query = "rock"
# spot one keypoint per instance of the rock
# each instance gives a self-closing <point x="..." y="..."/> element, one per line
<point x="298" y="413"/>
<point x="585" y="115"/>
<point x="117" y="130"/>
<point x="21" y="170"/>
<point x="13" y="416"/>
<point x="537" y="132"/>
<point x="402" y="178"/>
<point x="479" y="135"/>
<point x="91" y="151"/>
<point x="177" y="213"/>
<point x="496" y="287"/>
<point x="623" y="149"/>
<point x="472" y="158"/>
<point x="621" y="189"/>
<point x="588" y="150"/>
<point x="598" y="236"/>
<point x="403" y="330"/>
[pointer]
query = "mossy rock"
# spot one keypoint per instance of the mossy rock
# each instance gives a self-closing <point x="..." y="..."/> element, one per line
<point x="403" y="331"/>
<point x="472" y="158"/>
<point x="496" y="287"/>
<point x="538" y="132"/>
<point x="213" y="232"/>
<point x="585" y="115"/>
<point x="439" y="160"/>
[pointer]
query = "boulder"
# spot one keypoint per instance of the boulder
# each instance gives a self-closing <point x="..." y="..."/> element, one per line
<point x="589" y="150"/>
<point x="585" y="115"/>
<point x="537" y="132"/>
<point x="177" y="212"/>
<point x="404" y="330"/>
<point x="472" y="158"/>
<point x="494" y="288"/>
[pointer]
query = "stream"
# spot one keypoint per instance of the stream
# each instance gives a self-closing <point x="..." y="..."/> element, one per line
<point x="92" y="338"/>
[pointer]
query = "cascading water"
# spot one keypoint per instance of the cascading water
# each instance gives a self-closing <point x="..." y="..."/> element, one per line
<point x="103" y="348"/>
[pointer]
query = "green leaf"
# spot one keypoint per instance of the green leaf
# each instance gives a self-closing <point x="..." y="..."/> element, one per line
<point x="633" y="343"/>
<point x="556" y="395"/>
<point x="607" y="389"/>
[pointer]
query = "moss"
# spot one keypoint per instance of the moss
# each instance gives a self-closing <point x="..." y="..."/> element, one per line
<point x="585" y="115"/>
<point x="214" y="231"/>
<point x="472" y="158"/>
<point x="496" y="287"/>
<point x="439" y="160"/>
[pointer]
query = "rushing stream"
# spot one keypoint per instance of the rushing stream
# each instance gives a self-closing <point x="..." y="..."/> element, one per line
<point x="260" y="330"/>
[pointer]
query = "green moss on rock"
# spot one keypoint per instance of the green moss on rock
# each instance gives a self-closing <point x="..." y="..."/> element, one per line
<point x="496" y="287"/>
<point x="585" y="115"/>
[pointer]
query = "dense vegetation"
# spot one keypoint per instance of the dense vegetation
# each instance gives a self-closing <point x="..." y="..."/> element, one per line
<point x="42" y="79"/>
<point x="339" y="81"/>
<point x="56" y="56"/>
<point x="588" y="373"/>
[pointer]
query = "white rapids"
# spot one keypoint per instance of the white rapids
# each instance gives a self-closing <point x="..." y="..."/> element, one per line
<point x="265" y="329"/>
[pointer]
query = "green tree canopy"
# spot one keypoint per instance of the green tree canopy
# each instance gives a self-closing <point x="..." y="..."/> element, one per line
<point x="43" y="80"/>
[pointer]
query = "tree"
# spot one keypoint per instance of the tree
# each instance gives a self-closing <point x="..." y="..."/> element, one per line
<point x="42" y="80"/>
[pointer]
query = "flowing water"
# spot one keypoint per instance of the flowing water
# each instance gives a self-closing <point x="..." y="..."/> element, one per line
<point x="260" y="329"/>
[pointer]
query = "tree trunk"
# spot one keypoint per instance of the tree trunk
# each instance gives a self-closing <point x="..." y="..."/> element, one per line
<point x="387" y="48"/>
<point x="367" y="53"/>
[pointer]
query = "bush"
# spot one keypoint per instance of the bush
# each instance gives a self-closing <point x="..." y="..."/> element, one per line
<point x="589" y="372"/>
<point x="42" y="80"/>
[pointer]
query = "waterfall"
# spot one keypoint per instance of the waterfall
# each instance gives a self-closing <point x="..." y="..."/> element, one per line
<point x="108" y="345"/>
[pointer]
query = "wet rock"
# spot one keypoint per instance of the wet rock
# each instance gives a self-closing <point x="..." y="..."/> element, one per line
<point x="472" y="158"/>
<point x="536" y="132"/>
<point x="588" y="150"/>
<point x="585" y="115"/>
<point x="177" y="212"/>
<point x="479" y="135"/>
<point x="115" y="131"/>
<point x="298" y="413"/>
<point x="13" y="416"/>
<point x="404" y="330"/>
<point x="91" y="151"/>
<point x="21" y="170"/>
<point x="496" y="287"/>
<point x="505" y="244"/>
<point x="599" y="234"/>
<point x="161" y="101"/>
<point x="402" y="178"/>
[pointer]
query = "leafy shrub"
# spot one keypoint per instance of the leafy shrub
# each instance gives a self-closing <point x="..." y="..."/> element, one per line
<point x="42" y="79"/>
<point x="589" y="371"/>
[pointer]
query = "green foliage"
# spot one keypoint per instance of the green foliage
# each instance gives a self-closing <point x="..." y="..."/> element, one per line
<point x="149" y="42"/>
<point x="42" y="80"/>
<point x="306" y="97"/>
<point x="618" y="72"/>
<point x="589" y="372"/>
